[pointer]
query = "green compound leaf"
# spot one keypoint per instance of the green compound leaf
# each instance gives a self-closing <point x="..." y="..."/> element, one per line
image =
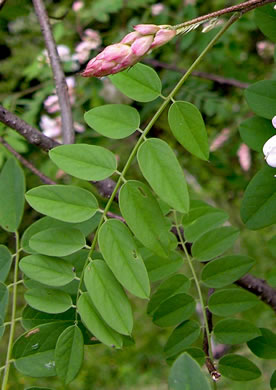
<point x="182" y="337"/>
<point x="87" y="162"/>
<point x="47" y="270"/>
<point x="202" y="220"/>
<point x="109" y="297"/>
<point x="34" y="351"/>
<point x="214" y="243"/>
<point x="162" y="170"/>
<point x="49" y="301"/>
<point x="176" y="284"/>
<point x="66" y="203"/>
<point x="259" y="201"/>
<point x="238" y="368"/>
<point x="12" y="188"/>
<point x="226" y="270"/>
<point x="45" y="223"/>
<point x="5" y="262"/>
<point x="186" y="374"/>
<point x="234" y="331"/>
<point x="188" y="127"/>
<point x="4" y="300"/>
<point x="94" y="322"/>
<point x="140" y="83"/>
<point x="264" y="346"/>
<point x="57" y="241"/>
<point x="69" y="353"/>
<point x="122" y="256"/>
<point x="265" y="18"/>
<point x="273" y="381"/>
<point x="32" y="318"/>
<point x="144" y="217"/>
<point x="255" y="132"/>
<point x="231" y="301"/>
<point x="174" y="310"/>
<point x="160" y="267"/>
<point x="261" y="98"/>
<point x="113" y="120"/>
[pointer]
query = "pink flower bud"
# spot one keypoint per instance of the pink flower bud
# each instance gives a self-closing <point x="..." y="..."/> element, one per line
<point x="130" y="38"/>
<point x="146" y="29"/>
<point x="142" y="45"/>
<point x="163" y="36"/>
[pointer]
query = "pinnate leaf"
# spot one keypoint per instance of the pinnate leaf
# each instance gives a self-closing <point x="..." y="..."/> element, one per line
<point x="234" y="331"/>
<point x="5" y="262"/>
<point x="12" y="188"/>
<point x="140" y="83"/>
<point x="50" y="301"/>
<point x="47" y="270"/>
<point x="122" y="256"/>
<point x="186" y="374"/>
<point x="69" y="353"/>
<point x="265" y="18"/>
<point x="264" y="346"/>
<point x="66" y="203"/>
<point x="238" y="368"/>
<point x="94" y="322"/>
<point x="162" y="170"/>
<point x="259" y="201"/>
<point x="261" y="98"/>
<point x="214" y="243"/>
<point x="87" y="162"/>
<point x="188" y="127"/>
<point x="113" y="120"/>
<point x="109" y="297"/>
<point x="57" y="241"/>
<point x="225" y="270"/>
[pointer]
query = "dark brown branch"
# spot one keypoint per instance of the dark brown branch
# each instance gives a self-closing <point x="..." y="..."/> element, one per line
<point x="260" y="288"/>
<point x="203" y="75"/>
<point x="243" y="8"/>
<point x="45" y="179"/>
<point x="32" y="135"/>
<point x="61" y="86"/>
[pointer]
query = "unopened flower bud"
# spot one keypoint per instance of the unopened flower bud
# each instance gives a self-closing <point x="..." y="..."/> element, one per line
<point x="130" y="50"/>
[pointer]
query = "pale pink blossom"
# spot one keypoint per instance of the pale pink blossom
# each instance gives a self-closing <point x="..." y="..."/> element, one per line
<point x="220" y="139"/>
<point x="77" y="5"/>
<point x="244" y="157"/>
<point x="269" y="150"/>
<point x="91" y="40"/>
<point x="129" y="51"/>
<point x="157" y="9"/>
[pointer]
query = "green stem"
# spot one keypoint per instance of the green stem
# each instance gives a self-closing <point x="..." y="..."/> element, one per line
<point x="13" y="316"/>
<point x="148" y="128"/>
<point x="202" y="304"/>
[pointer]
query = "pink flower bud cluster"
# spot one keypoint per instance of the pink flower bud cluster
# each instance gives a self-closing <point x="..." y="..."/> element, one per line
<point x="129" y="51"/>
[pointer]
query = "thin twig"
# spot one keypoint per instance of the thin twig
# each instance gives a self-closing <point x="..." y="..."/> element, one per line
<point x="260" y="288"/>
<point x="203" y="75"/>
<point x="61" y="86"/>
<point x="243" y="8"/>
<point x="32" y="135"/>
<point x="45" y="179"/>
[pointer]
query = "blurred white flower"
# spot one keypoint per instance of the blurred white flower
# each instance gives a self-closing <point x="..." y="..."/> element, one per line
<point x="157" y="9"/>
<point x="77" y="5"/>
<point x="111" y="94"/>
<point x="51" y="104"/>
<point x="274" y="121"/>
<point x="244" y="157"/>
<point x="220" y="139"/>
<point x="265" y="49"/>
<point x="51" y="127"/>
<point x="91" y="40"/>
